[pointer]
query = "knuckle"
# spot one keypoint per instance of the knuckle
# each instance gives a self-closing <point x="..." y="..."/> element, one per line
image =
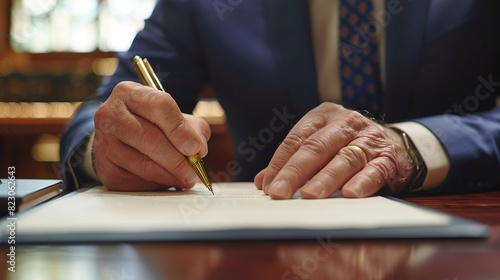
<point x="329" y="107"/>
<point x="352" y="158"/>
<point x="378" y="139"/>
<point x="273" y="168"/>
<point x="155" y="100"/>
<point x="289" y="146"/>
<point x="373" y="177"/>
<point x="385" y="168"/>
<point x="107" y="116"/>
<point x="159" y="104"/>
<point x="179" y="127"/>
<point x="329" y="175"/>
<point x="101" y="114"/>
<point x="160" y="101"/>
<point x="314" y="145"/>
<point x="292" y="142"/>
<point x="355" y="120"/>
<point x="141" y="98"/>
<point x="377" y="143"/>
<point x="294" y="170"/>
<point x="401" y="164"/>
<point x="121" y="87"/>
<point x="122" y="90"/>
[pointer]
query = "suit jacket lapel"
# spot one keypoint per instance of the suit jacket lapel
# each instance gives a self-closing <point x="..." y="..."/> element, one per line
<point x="404" y="40"/>
<point x="291" y="40"/>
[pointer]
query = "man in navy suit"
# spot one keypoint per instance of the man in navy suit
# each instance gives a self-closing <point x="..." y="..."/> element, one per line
<point x="278" y="69"/>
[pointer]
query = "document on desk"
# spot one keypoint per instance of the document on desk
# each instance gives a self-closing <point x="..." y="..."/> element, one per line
<point x="237" y="211"/>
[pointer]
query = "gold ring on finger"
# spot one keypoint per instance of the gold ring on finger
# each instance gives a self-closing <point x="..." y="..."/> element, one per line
<point x="358" y="150"/>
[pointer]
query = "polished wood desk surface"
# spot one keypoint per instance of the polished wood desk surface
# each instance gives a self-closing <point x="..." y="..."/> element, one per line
<point x="454" y="259"/>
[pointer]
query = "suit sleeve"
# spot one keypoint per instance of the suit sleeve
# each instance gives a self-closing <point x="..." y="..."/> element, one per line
<point x="472" y="143"/>
<point x="168" y="41"/>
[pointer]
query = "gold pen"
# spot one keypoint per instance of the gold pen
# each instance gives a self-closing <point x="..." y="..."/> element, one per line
<point x="149" y="78"/>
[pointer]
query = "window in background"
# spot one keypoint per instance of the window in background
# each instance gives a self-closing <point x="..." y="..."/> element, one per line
<point x="45" y="26"/>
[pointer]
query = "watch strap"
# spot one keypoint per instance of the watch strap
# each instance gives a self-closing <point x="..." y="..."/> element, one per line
<point x="420" y="173"/>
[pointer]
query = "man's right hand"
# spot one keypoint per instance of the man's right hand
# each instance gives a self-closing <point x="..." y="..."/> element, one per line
<point x="142" y="139"/>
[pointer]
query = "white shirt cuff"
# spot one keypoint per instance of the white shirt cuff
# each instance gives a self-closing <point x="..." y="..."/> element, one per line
<point x="429" y="147"/>
<point x="87" y="166"/>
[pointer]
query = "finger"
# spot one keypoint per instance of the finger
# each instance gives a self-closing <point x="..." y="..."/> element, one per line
<point x="142" y="166"/>
<point x="119" y="179"/>
<point x="373" y="177"/>
<point x="259" y="178"/>
<point x="287" y="148"/>
<point x="347" y="124"/>
<point x="333" y="176"/>
<point x="147" y="138"/>
<point x="314" y="153"/>
<point x="306" y="127"/>
<point x="160" y="108"/>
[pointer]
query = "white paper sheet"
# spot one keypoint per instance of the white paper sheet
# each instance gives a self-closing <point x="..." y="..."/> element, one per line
<point x="234" y="206"/>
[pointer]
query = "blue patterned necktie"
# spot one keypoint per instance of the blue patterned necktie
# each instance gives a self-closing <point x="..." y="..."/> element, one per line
<point x="359" y="67"/>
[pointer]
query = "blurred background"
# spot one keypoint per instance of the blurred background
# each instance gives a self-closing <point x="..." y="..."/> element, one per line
<point x="53" y="55"/>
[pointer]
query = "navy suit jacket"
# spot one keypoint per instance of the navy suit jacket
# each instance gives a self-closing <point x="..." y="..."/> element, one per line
<point x="442" y="70"/>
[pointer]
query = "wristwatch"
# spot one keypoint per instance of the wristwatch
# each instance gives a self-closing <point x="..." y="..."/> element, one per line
<point x="420" y="173"/>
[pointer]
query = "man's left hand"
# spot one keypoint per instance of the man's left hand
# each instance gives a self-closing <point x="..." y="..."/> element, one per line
<point x="334" y="148"/>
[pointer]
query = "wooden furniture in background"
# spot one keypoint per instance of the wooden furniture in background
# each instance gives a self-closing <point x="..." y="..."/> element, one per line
<point x="56" y="77"/>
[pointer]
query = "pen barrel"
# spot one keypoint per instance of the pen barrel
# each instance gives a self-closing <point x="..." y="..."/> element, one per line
<point x="143" y="73"/>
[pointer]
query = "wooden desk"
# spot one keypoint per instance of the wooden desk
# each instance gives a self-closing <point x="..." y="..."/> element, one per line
<point x="362" y="259"/>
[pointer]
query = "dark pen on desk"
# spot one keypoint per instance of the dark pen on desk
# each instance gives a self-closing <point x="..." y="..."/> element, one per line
<point x="149" y="78"/>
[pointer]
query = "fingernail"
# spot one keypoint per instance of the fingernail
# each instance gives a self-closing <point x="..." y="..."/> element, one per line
<point x="279" y="190"/>
<point x="356" y="191"/>
<point x="315" y="189"/>
<point x="191" y="178"/>
<point x="265" y="191"/>
<point x="205" y="152"/>
<point x="265" y="188"/>
<point x="191" y="147"/>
